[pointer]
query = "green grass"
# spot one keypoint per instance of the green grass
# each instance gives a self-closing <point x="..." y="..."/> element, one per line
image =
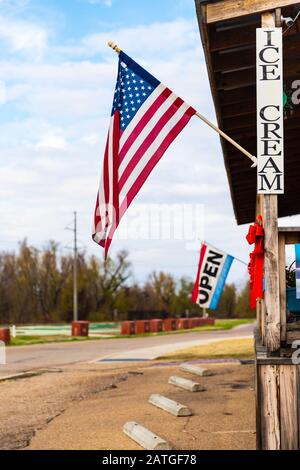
<point x="226" y="324"/>
<point x="27" y="340"/>
<point x="233" y="349"/>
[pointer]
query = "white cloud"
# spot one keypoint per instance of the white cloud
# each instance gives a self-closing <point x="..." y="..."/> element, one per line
<point x="107" y="3"/>
<point x="52" y="144"/>
<point x="23" y="36"/>
<point x="52" y="141"/>
<point x="174" y="36"/>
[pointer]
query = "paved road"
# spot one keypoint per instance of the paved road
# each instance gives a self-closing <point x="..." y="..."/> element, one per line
<point x="24" y="358"/>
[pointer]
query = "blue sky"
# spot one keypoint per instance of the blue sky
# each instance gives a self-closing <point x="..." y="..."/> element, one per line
<point x="57" y="77"/>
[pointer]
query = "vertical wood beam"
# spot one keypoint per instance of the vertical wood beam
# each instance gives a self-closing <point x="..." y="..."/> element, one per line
<point x="298" y="400"/>
<point x="258" y="399"/>
<point x="270" y="407"/>
<point x="288" y="407"/>
<point x="282" y="285"/>
<point x="270" y="216"/>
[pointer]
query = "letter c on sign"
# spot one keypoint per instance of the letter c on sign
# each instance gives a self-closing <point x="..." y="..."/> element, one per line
<point x="263" y="113"/>
<point x="263" y="58"/>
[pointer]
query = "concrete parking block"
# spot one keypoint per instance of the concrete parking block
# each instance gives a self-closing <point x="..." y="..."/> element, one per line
<point x="186" y="384"/>
<point x="196" y="370"/>
<point x="171" y="406"/>
<point x="145" y="438"/>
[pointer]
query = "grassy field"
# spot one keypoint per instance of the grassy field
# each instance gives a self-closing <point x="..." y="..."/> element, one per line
<point x="22" y="340"/>
<point x="234" y="348"/>
<point x="27" y="340"/>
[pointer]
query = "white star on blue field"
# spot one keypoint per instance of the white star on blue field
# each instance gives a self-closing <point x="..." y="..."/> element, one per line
<point x="130" y="94"/>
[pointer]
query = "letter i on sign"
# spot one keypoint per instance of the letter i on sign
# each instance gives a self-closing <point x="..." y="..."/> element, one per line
<point x="270" y="131"/>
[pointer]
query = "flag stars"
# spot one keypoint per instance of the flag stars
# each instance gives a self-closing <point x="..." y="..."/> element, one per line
<point x="130" y="94"/>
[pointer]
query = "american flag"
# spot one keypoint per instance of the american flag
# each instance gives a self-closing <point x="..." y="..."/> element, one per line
<point x="146" y="117"/>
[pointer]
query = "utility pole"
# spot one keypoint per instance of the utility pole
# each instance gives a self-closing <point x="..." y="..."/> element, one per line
<point x="75" y="290"/>
<point x="75" y="251"/>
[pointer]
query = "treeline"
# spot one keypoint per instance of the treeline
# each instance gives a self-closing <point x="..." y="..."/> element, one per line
<point x="37" y="286"/>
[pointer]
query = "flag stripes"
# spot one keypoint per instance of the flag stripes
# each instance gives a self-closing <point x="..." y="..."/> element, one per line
<point x="131" y="154"/>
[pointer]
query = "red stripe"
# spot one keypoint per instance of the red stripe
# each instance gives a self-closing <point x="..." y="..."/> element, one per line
<point x="96" y="218"/>
<point x="116" y="141"/>
<point x="155" y="159"/>
<point x="105" y="173"/>
<point x="195" y="293"/>
<point x="149" y="140"/>
<point x="119" y="212"/>
<point x="115" y="189"/>
<point x="143" y="122"/>
<point x="98" y="222"/>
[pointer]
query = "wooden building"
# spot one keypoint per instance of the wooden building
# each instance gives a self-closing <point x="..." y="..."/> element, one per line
<point x="228" y="33"/>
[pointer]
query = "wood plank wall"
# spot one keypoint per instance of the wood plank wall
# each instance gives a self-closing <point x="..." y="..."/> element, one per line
<point x="278" y="406"/>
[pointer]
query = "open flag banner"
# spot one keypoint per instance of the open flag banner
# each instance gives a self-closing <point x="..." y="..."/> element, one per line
<point x="213" y="269"/>
<point x="297" y="252"/>
<point x="146" y="118"/>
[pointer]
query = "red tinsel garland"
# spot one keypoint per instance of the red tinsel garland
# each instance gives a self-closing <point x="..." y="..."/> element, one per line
<point x="256" y="265"/>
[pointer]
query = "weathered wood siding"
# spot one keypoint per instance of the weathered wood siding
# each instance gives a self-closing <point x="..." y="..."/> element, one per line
<point x="278" y="403"/>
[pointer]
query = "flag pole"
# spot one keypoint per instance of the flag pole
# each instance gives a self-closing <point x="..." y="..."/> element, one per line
<point x="209" y="123"/>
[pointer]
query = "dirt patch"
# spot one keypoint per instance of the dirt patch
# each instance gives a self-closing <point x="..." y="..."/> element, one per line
<point x="224" y="415"/>
<point x="30" y="404"/>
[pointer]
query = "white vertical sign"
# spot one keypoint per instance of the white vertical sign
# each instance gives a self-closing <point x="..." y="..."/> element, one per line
<point x="270" y="131"/>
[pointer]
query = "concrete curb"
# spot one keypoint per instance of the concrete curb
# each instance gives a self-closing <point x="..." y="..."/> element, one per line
<point x="196" y="370"/>
<point x="170" y="406"/>
<point x="21" y="375"/>
<point x="145" y="438"/>
<point x="186" y="384"/>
